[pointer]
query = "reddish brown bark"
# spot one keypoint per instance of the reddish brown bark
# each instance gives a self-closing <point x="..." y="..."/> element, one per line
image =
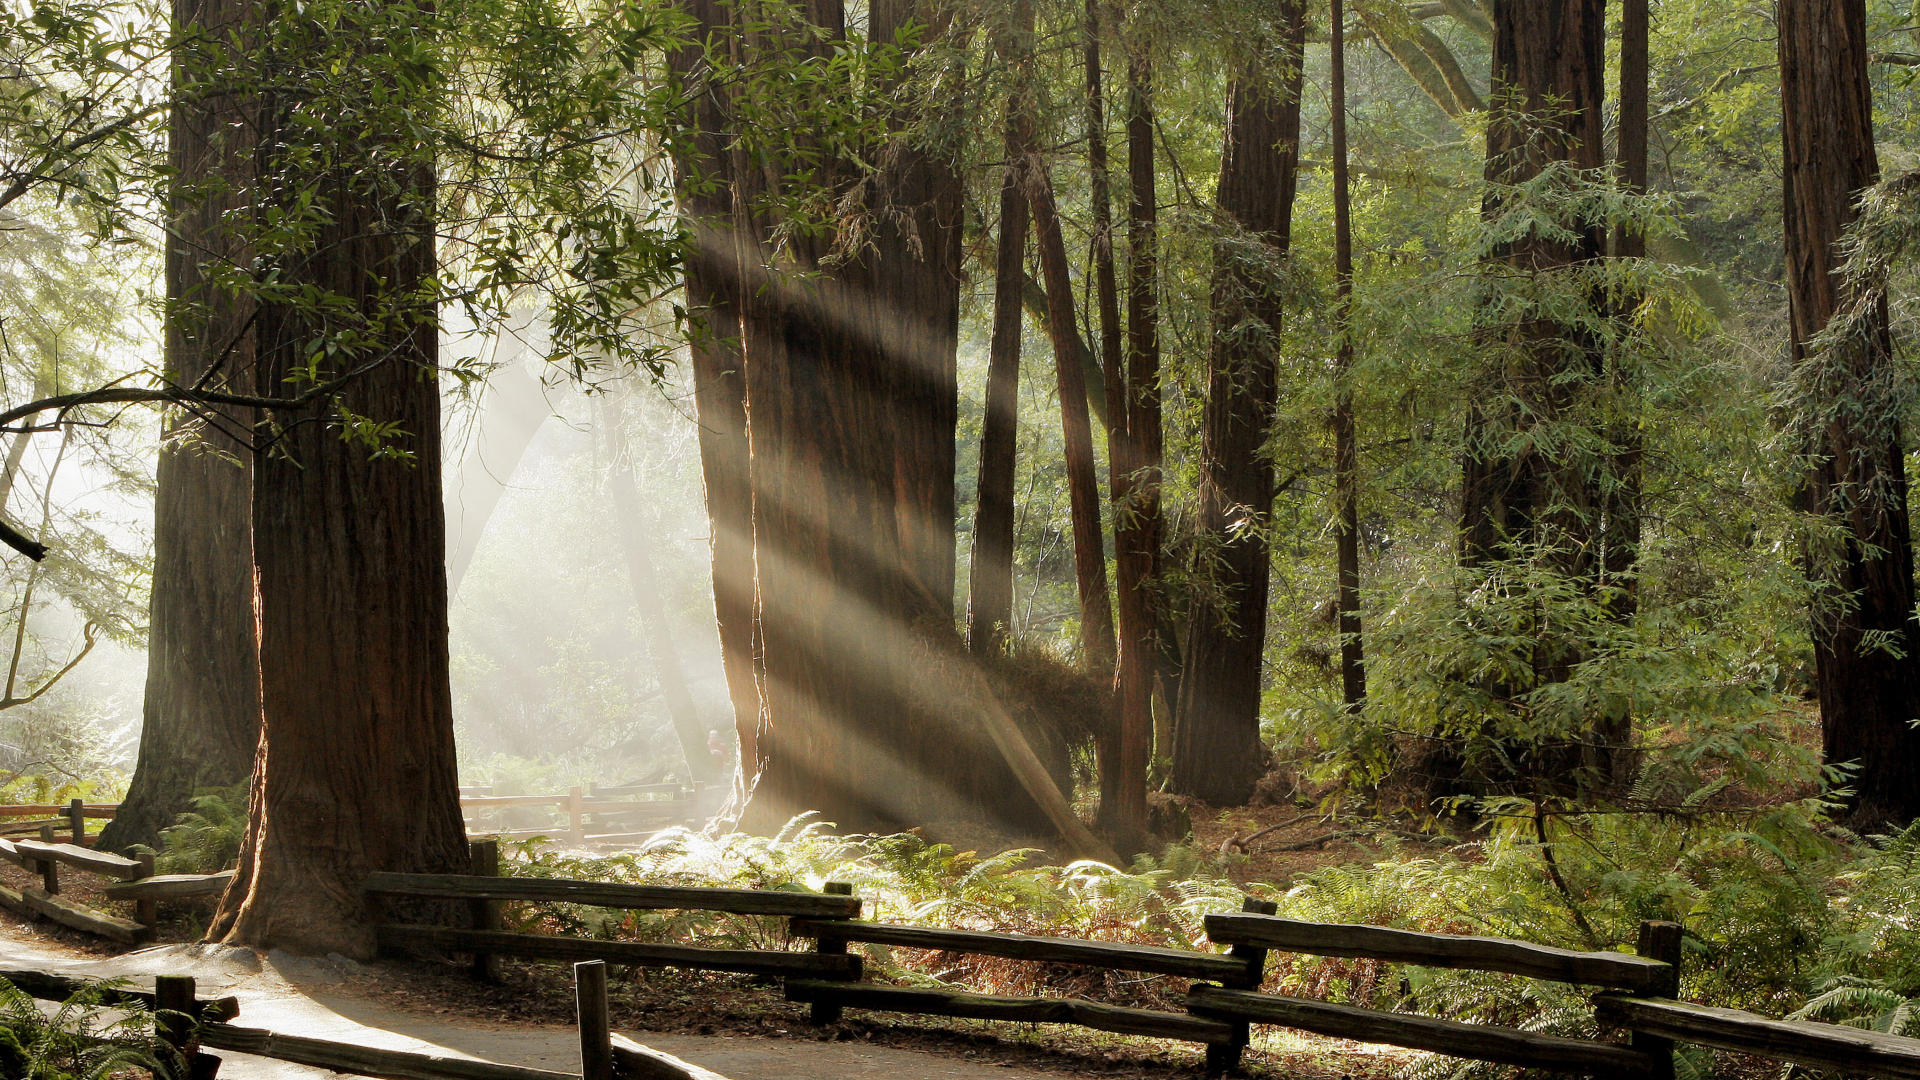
<point x="917" y="240"/>
<point x="201" y="719"/>
<point x="355" y="771"/>
<point x="1548" y="61"/>
<point x="1217" y="752"/>
<point x="1858" y="483"/>
<point x="709" y="189"/>
<point x="1542" y="502"/>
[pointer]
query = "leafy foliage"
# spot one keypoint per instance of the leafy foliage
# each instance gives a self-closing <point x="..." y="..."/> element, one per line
<point x="79" y="1041"/>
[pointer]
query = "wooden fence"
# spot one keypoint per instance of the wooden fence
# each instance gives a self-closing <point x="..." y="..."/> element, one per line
<point x="1636" y="992"/>
<point x="191" y="1025"/>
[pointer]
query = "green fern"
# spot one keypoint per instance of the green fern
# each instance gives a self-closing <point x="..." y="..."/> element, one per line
<point x="207" y="838"/>
<point x="79" y="1041"/>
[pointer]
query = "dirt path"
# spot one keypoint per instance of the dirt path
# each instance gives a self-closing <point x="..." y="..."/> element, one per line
<point x="317" y="998"/>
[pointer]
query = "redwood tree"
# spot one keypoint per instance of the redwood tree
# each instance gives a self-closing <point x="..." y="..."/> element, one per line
<point x="707" y="181"/>
<point x="201" y="720"/>
<point x="355" y="771"/>
<point x="1217" y="754"/>
<point x="990" y="570"/>
<point x="1861" y="555"/>
<point x="1531" y="496"/>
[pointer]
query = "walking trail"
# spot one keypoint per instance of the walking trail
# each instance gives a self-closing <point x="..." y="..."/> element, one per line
<point x="316" y="998"/>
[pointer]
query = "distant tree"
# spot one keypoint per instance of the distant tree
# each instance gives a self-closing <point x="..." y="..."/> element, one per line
<point x="1860" y="551"/>
<point x="1217" y="754"/>
<point x="1346" y="450"/>
<point x="201" y="719"/>
<point x="990" y="569"/>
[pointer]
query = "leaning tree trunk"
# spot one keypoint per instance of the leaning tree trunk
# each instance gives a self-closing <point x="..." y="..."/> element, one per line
<point x="1857" y="484"/>
<point x="1217" y="754"/>
<point x="708" y="186"/>
<point x="355" y="771"/>
<point x="1083" y="485"/>
<point x="201" y="719"/>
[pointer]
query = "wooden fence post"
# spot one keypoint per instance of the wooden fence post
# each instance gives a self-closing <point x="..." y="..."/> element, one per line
<point x="147" y="909"/>
<point x="173" y="1018"/>
<point x="484" y="859"/>
<point x="596" y="1030"/>
<point x="1660" y="941"/>
<point x="576" y="816"/>
<point x="822" y="1013"/>
<point x="49" y="869"/>
<point x="1223" y="1058"/>
<point x="77" y="819"/>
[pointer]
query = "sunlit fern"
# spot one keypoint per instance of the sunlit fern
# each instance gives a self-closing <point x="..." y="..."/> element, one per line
<point x="78" y="1041"/>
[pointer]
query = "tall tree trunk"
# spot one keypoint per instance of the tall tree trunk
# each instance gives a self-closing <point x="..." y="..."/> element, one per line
<point x="712" y="193"/>
<point x="1541" y="503"/>
<point x="1133" y="454"/>
<point x="1548" y="60"/>
<point x="1346" y="452"/>
<point x="201" y="717"/>
<point x="917" y="240"/>
<point x="1857" y="485"/>
<point x="990" y="573"/>
<point x="355" y="771"/>
<point x="1217" y="752"/>
<point x="1083" y="485"/>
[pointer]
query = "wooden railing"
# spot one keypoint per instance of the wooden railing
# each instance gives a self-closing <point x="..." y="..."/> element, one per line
<point x="1637" y="992"/>
<point x="189" y="1024"/>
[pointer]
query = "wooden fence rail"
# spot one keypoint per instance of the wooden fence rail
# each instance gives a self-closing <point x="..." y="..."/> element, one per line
<point x="204" y="1024"/>
<point x="1224" y="998"/>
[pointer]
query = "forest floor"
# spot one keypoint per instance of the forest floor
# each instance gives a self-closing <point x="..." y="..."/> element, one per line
<point x="738" y="1026"/>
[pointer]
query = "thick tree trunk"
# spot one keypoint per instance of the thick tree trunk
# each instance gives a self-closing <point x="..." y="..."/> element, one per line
<point x="1857" y="485"/>
<point x="712" y="193"/>
<point x="1542" y="504"/>
<point x="1217" y="754"/>
<point x="1548" y="60"/>
<point x="917" y="240"/>
<point x="355" y="771"/>
<point x="861" y="718"/>
<point x="201" y="719"/>
<point x="1346" y="451"/>
<point x="990" y="573"/>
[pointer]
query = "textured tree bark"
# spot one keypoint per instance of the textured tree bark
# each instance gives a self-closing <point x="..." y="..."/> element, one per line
<point x="1217" y="755"/>
<point x="917" y="240"/>
<point x="1133" y="441"/>
<point x="201" y="719"/>
<point x="860" y="715"/>
<point x="1857" y="485"/>
<point x="1548" y="61"/>
<point x="1083" y="485"/>
<point x="355" y="771"/>
<point x="990" y="573"/>
<point x="712" y="192"/>
<point x="1542" y="502"/>
<point x="1346" y="452"/>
